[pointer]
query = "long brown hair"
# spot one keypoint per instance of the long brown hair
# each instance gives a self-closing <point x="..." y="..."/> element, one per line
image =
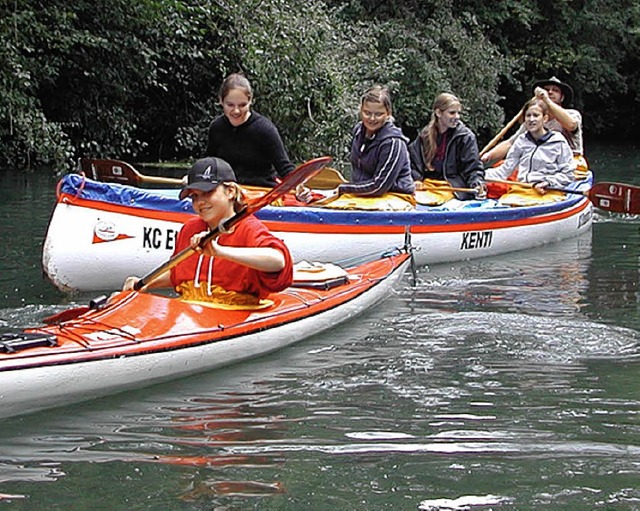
<point x="378" y="94"/>
<point x="429" y="134"/>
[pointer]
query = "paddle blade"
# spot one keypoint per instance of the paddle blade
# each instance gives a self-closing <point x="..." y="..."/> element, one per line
<point x="110" y="171"/>
<point x="327" y="179"/>
<point x="116" y="171"/>
<point x="615" y="197"/>
<point x="297" y="176"/>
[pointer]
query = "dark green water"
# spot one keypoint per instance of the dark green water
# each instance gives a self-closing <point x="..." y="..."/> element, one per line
<point x="511" y="382"/>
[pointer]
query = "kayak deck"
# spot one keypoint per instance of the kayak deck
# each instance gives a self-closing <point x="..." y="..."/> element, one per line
<point x="139" y="323"/>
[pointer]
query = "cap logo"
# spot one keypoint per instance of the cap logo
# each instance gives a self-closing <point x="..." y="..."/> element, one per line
<point x="207" y="172"/>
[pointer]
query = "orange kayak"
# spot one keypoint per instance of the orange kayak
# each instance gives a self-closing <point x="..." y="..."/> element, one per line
<point x="139" y="339"/>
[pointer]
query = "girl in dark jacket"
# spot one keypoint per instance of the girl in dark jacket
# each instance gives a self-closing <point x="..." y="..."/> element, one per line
<point x="379" y="155"/>
<point x="447" y="150"/>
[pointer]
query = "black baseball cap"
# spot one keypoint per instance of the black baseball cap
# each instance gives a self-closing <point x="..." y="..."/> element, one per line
<point x="206" y="174"/>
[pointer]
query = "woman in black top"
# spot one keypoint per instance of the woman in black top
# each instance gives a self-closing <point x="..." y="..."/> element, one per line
<point x="247" y="140"/>
<point x="446" y="149"/>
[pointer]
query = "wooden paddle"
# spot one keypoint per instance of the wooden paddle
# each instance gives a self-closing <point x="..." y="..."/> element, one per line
<point x="613" y="197"/>
<point x="446" y="188"/>
<point x="116" y="171"/>
<point x="296" y="177"/>
<point x="503" y="131"/>
<point x="327" y="179"/>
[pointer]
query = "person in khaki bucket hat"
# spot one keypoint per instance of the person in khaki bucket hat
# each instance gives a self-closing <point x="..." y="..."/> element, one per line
<point x="558" y="96"/>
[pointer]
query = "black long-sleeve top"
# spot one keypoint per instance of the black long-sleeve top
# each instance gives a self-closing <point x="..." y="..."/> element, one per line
<point x="254" y="149"/>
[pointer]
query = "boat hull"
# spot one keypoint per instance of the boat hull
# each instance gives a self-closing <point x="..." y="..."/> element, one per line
<point x="141" y="339"/>
<point x="99" y="234"/>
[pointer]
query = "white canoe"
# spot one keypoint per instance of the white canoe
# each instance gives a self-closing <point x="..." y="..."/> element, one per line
<point x="100" y="233"/>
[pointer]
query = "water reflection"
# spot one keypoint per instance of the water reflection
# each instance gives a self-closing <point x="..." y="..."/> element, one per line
<point x="551" y="280"/>
<point x="192" y="436"/>
<point x="510" y="382"/>
<point x="26" y="202"/>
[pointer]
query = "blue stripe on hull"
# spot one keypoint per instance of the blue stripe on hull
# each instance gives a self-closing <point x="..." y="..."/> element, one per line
<point x="465" y="213"/>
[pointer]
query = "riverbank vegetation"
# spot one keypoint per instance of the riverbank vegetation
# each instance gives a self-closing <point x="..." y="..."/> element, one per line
<point x="138" y="80"/>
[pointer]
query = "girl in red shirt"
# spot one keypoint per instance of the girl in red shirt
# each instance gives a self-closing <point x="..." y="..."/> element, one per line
<point x="240" y="267"/>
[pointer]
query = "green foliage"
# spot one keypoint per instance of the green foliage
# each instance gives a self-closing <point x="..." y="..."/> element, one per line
<point x="438" y="56"/>
<point x="24" y="129"/>
<point x="591" y="44"/>
<point x="192" y="47"/>
<point x="290" y="56"/>
<point x="138" y="80"/>
<point x="110" y="77"/>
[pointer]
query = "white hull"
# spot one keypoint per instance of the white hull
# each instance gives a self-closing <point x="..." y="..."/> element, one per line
<point x="89" y="249"/>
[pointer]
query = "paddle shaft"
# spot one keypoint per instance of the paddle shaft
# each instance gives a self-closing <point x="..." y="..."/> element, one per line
<point x="159" y="180"/>
<point x="297" y="176"/>
<point x="503" y="131"/>
<point x="531" y="185"/>
<point x="124" y="173"/>
<point x="446" y="188"/>
<point x="613" y="197"/>
<point x="188" y="251"/>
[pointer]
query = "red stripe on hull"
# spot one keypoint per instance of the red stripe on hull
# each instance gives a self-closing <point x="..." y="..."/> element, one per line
<point x="154" y="214"/>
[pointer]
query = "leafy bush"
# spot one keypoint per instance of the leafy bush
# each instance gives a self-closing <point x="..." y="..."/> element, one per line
<point x="139" y="80"/>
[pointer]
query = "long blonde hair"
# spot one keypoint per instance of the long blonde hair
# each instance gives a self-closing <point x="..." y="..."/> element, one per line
<point x="429" y="134"/>
<point x="238" y="197"/>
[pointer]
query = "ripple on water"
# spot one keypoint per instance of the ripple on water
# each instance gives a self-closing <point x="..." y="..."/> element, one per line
<point x="23" y="317"/>
<point x="533" y="338"/>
